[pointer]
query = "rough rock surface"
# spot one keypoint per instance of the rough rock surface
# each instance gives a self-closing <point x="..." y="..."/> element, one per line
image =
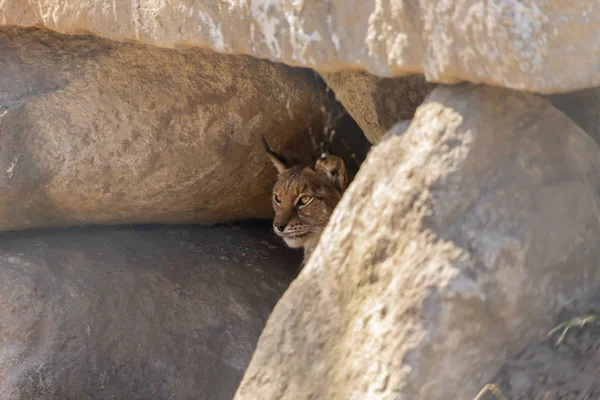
<point x="517" y="44"/>
<point x="146" y="313"/>
<point x="95" y="131"/>
<point x="376" y="104"/>
<point x="455" y="246"/>
<point x="564" y="366"/>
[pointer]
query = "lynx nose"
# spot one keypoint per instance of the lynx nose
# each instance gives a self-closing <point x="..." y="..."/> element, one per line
<point x="279" y="227"/>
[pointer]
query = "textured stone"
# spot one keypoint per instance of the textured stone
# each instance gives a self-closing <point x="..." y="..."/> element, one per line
<point x="95" y="131"/>
<point x="153" y="313"/>
<point x="455" y="246"/>
<point x="565" y="365"/>
<point x="376" y="104"/>
<point x="517" y="44"/>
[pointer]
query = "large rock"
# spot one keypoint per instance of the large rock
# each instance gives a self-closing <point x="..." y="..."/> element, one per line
<point x="152" y="313"/>
<point x="456" y="245"/>
<point x="377" y="104"/>
<point x="95" y="131"/>
<point x="518" y="44"/>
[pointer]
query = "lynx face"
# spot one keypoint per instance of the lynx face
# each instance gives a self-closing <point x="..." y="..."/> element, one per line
<point x="304" y="198"/>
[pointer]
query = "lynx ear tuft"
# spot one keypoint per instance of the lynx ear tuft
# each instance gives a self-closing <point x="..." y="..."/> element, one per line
<point x="278" y="160"/>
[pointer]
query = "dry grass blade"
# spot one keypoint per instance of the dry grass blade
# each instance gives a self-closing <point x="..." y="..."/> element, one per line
<point x="490" y="392"/>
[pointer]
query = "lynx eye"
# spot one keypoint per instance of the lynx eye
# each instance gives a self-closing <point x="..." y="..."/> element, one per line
<point x="304" y="201"/>
<point x="276" y="199"/>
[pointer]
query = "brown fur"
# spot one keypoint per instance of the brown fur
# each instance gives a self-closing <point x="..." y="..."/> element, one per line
<point x="301" y="225"/>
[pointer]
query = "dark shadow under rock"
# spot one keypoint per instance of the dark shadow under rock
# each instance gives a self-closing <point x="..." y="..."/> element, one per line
<point x="144" y="313"/>
<point x="583" y="107"/>
<point x="378" y="103"/>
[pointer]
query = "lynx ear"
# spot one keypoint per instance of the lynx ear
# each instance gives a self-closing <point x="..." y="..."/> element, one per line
<point x="334" y="168"/>
<point x="278" y="160"/>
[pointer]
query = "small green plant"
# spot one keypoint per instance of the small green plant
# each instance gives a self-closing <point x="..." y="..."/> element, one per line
<point x="577" y="322"/>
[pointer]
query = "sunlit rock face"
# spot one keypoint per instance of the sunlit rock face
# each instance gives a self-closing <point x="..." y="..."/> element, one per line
<point x="526" y="45"/>
<point x="456" y="245"/>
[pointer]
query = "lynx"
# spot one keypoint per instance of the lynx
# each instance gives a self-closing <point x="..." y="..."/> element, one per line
<point x="304" y="198"/>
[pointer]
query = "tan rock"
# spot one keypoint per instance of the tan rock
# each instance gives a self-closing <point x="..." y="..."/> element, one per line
<point x="95" y="131"/>
<point x="517" y="44"/>
<point x="376" y="104"/>
<point x="456" y="245"/>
